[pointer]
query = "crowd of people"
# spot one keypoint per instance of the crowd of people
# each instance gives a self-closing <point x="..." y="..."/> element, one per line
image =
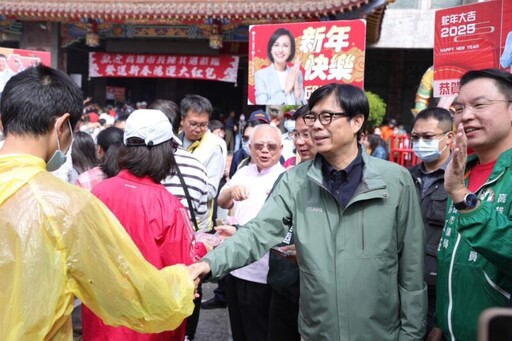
<point x="309" y="229"/>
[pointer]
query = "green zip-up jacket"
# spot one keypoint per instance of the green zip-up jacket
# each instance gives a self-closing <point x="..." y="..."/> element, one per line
<point x="475" y="256"/>
<point x="361" y="266"/>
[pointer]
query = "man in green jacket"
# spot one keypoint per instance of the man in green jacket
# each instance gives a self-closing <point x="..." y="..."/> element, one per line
<point x="359" y="233"/>
<point x="475" y="250"/>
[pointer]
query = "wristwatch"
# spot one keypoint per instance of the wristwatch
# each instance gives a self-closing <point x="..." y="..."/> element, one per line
<point x="470" y="201"/>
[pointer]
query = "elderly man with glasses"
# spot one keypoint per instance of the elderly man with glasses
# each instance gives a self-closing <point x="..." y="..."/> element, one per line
<point x="359" y="233"/>
<point x="247" y="293"/>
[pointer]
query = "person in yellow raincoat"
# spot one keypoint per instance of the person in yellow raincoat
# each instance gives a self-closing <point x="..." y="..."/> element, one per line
<point x="57" y="241"/>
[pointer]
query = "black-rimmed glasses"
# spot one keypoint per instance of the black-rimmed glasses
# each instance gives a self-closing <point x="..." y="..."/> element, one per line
<point x="324" y="117"/>
<point x="194" y="125"/>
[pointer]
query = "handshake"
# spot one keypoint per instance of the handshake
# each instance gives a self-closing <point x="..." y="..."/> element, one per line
<point x="199" y="270"/>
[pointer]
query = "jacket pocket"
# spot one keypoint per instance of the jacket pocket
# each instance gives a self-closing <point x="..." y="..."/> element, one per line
<point x="436" y="212"/>
<point x="431" y="264"/>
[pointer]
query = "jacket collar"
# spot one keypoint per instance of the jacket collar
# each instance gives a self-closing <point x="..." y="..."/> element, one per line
<point x="503" y="163"/>
<point x="372" y="180"/>
<point x="127" y="175"/>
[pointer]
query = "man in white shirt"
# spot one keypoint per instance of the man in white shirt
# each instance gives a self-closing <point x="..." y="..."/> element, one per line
<point x="247" y="293"/>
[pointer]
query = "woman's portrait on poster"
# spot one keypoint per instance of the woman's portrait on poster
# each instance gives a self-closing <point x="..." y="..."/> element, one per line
<point x="280" y="83"/>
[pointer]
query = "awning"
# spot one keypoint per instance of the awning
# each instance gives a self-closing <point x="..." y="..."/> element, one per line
<point x="164" y="11"/>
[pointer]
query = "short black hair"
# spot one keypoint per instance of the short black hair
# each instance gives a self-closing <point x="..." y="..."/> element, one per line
<point x="303" y="110"/>
<point x="170" y="110"/>
<point x="121" y="118"/>
<point x="278" y="33"/>
<point x="375" y="140"/>
<point x="195" y="103"/>
<point x="442" y="115"/>
<point x="502" y="79"/>
<point x="156" y="162"/>
<point x="215" y="124"/>
<point x="34" y="98"/>
<point x="108" y="137"/>
<point x="351" y="99"/>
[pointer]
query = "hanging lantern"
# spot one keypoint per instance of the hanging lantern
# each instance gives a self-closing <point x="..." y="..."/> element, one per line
<point x="92" y="38"/>
<point x="216" y="35"/>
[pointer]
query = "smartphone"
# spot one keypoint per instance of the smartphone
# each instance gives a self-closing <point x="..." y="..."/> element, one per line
<point x="495" y="324"/>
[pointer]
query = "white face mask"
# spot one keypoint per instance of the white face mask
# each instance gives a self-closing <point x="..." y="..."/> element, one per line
<point x="245" y="147"/>
<point x="428" y="151"/>
<point x="58" y="158"/>
<point x="289" y="125"/>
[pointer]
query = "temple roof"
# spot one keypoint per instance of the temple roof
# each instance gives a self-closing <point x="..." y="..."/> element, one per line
<point x="160" y="11"/>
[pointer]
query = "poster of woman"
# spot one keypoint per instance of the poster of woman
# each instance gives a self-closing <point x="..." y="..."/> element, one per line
<point x="288" y="62"/>
<point x="13" y="61"/>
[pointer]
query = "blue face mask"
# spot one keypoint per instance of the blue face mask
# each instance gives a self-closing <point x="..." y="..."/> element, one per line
<point x="289" y="125"/>
<point x="58" y="158"/>
<point x="427" y="151"/>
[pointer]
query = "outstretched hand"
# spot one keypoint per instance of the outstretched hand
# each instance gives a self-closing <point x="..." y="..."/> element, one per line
<point x="197" y="271"/>
<point x="225" y="231"/>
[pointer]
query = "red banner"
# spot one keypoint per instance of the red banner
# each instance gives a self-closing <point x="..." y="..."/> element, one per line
<point x="325" y="52"/>
<point x="467" y="38"/>
<point x="215" y="68"/>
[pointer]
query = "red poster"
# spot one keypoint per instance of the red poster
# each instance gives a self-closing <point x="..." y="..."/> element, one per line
<point x="13" y="61"/>
<point x="216" y="68"/>
<point x="287" y="62"/>
<point x="467" y="38"/>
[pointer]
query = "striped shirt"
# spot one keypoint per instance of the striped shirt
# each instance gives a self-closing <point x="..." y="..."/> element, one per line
<point x="196" y="180"/>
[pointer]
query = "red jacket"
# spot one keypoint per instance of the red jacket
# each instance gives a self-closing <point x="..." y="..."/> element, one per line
<point x="158" y="224"/>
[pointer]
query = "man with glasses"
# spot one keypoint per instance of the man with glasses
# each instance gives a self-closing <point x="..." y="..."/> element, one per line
<point x="432" y="137"/>
<point x="247" y="293"/>
<point x="358" y="232"/>
<point x="475" y="250"/>
<point x="211" y="151"/>
<point x="305" y="148"/>
<point x="208" y="148"/>
<point x="283" y="273"/>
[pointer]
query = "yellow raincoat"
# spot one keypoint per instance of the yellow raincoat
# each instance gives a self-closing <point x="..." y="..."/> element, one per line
<point x="57" y="242"/>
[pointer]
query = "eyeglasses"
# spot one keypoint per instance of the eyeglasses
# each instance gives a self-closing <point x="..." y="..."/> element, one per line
<point x="193" y="124"/>
<point x="295" y="135"/>
<point x="477" y="106"/>
<point x="426" y="138"/>
<point x="271" y="147"/>
<point x="324" y="117"/>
